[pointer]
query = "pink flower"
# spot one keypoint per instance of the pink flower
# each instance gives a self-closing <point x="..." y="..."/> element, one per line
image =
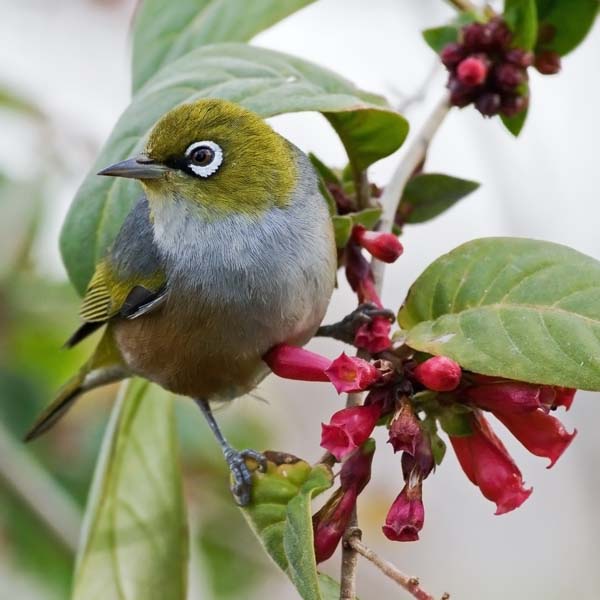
<point x="291" y="362"/>
<point x="542" y="434"/>
<point x="351" y="374"/>
<point x="405" y="429"/>
<point x="383" y="246"/>
<point x="374" y="336"/>
<point x="472" y="71"/>
<point x="439" y="373"/>
<point x="505" y="396"/>
<point x="406" y="516"/>
<point x="348" y="429"/>
<point x="356" y="470"/>
<point x="486" y="462"/>
<point x="331" y="521"/>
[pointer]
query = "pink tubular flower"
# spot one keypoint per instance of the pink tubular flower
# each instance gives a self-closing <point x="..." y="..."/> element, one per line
<point x="331" y="521"/>
<point x="359" y="275"/>
<point x="356" y="470"/>
<point x="374" y="336"/>
<point x="505" y="396"/>
<point x="351" y="374"/>
<point x="421" y="462"/>
<point x="486" y="462"/>
<point x="383" y="246"/>
<point x="439" y="373"/>
<point x="541" y="433"/>
<point x="348" y="429"/>
<point x="291" y="362"/>
<point x="405" y="429"/>
<point x="406" y="516"/>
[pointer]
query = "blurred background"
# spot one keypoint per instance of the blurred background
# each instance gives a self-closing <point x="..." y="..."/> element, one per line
<point x="64" y="80"/>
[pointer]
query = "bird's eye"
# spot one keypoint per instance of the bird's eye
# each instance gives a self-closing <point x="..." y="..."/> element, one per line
<point x="204" y="158"/>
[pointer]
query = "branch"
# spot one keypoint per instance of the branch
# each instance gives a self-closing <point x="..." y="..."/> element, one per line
<point x="39" y="490"/>
<point x="464" y="5"/>
<point x="410" y="584"/>
<point x="414" y="156"/>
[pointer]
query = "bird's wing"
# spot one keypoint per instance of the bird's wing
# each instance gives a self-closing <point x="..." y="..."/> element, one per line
<point x="129" y="282"/>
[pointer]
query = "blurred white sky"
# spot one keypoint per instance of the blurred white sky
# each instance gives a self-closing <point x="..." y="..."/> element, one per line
<point x="72" y="58"/>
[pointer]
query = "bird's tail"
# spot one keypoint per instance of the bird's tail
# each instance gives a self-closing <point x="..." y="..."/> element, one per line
<point x="103" y="368"/>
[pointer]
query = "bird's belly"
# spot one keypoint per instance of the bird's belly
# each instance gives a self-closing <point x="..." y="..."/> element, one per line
<point x="214" y="353"/>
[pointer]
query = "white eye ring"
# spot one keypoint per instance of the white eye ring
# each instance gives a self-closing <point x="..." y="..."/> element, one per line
<point x="213" y="166"/>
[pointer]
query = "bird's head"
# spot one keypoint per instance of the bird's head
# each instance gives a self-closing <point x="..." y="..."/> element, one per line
<point x="215" y="155"/>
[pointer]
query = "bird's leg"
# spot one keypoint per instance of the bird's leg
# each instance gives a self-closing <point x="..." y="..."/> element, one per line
<point x="345" y="330"/>
<point x="242" y="477"/>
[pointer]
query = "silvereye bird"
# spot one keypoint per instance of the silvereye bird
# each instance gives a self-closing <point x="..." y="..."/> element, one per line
<point x="229" y="252"/>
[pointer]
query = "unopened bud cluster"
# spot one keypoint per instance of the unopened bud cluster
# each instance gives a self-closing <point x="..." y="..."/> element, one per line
<point x="488" y="71"/>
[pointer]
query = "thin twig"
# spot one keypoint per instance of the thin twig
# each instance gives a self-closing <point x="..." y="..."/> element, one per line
<point x="410" y="584"/>
<point x="414" y="156"/>
<point x="464" y="5"/>
<point x="408" y="100"/>
<point x="44" y="496"/>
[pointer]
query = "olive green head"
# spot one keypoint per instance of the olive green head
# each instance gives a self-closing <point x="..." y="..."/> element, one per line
<point x="217" y="155"/>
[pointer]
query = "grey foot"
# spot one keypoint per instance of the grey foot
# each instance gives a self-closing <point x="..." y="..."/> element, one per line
<point x="241" y="485"/>
<point x="345" y="330"/>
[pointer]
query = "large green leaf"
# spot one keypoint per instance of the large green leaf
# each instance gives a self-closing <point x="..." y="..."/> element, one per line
<point x="510" y="307"/>
<point x="280" y="515"/>
<point x="570" y="20"/>
<point x="521" y="16"/>
<point x="265" y="81"/>
<point x="135" y="542"/>
<point x="165" y="30"/>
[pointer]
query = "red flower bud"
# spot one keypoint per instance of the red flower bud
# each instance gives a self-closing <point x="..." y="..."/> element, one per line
<point x="451" y="55"/>
<point x="374" y="336"/>
<point x="406" y="515"/>
<point x="460" y="94"/>
<point x="383" y="246"/>
<point x="501" y="34"/>
<point x="542" y="434"/>
<point x="440" y="374"/>
<point x="548" y="62"/>
<point x="356" y="470"/>
<point x="486" y="462"/>
<point x="405" y="429"/>
<point x="292" y="362"/>
<point x="351" y="374"/>
<point x="331" y="521"/>
<point x="348" y="429"/>
<point x="472" y="71"/>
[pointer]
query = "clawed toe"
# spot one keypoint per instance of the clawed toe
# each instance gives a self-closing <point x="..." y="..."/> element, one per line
<point x="241" y="486"/>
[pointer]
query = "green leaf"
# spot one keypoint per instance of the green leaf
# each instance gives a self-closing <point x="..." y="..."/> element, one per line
<point x="280" y="514"/>
<point x="330" y="588"/>
<point x="368" y="217"/>
<point x="342" y="228"/>
<point x="323" y="170"/>
<point x="165" y="30"/>
<point x="135" y="542"/>
<point x="428" y="195"/>
<point x="570" y="19"/>
<point x="10" y="100"/>
<point x="521" y="17"/>
<point x="515" y="124"/>
<point x="264" y="81"/>
<point x="509" y="307"/>
<point x="438" y="37"/>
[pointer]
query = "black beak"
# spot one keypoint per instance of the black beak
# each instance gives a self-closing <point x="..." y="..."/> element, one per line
<point x="140" y="167"/>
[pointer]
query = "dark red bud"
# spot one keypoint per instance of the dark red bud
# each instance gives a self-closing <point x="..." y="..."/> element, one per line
<point x="513" y="105"/>
<point x="356" y="470"/>
<point x="460" y="95"/>
<point x="472" y="71"/>
<point x="520" y="58"/>
<point x="422" y="462"/>
<point x="405" y="429"/>
<point x="548" y="62"/>
<point x="406" y="515"/>
<point x="488" y="104"/>
<point x="509" y="76"/>
<point x="501" y="34"/>
<point x="383" y="246"/>
<point x="477" y="36"/>
<point x="451" y="55"/>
